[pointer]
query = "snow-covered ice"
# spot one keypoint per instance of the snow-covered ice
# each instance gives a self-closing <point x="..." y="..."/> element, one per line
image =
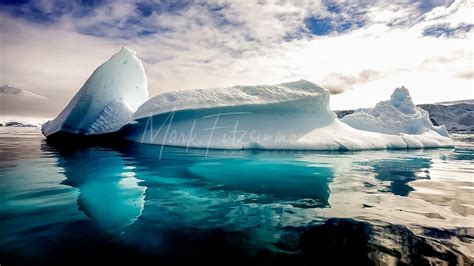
<point x="395" y="116"/>
<point x="294" y="115"/>
<point x="456" y="116"/>
<point x="300" y="95"/>
<point x="111" y="94"/>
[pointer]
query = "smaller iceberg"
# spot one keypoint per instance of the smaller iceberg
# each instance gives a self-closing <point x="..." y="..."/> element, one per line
<point x="395" y="116"/>
<point x="107" y="100"/>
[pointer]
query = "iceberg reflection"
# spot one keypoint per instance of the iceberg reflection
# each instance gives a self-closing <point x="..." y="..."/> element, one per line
<point x="400" y="171"/>
<point x="109" y="192"/>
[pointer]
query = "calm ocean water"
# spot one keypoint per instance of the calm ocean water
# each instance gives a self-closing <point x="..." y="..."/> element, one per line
<point x="121" y="203"/>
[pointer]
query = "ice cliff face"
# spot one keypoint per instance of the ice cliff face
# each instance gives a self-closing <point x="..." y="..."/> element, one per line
<point x="108" y="98"/>
<point x="395" y="116"/>
<point x="112" y="117"/>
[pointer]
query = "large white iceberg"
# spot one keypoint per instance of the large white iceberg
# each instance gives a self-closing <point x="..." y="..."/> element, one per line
<point x="294" y="115"/>
<point x="107" y="100"/>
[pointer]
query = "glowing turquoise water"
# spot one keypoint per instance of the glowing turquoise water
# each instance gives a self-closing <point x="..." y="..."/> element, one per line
<point x="247" y="206"/>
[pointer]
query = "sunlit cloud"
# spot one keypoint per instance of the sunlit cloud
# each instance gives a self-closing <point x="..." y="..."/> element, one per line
<point x="338" y="83"/>
<point x="465" y="75"/>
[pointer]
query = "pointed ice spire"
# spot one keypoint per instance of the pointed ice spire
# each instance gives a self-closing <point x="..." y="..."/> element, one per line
<point x="121" y="78"/>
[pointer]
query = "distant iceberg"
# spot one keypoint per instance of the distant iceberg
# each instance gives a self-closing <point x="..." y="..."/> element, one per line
<point x="293" y="115"/>
<point x="395" y="116"/>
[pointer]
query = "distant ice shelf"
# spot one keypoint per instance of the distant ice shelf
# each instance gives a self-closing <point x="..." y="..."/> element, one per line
<point x="293" y="115"/>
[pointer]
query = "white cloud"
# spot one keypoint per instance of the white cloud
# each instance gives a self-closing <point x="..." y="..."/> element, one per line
<point x="465" y="75"/>
<point x="338" y="83"/>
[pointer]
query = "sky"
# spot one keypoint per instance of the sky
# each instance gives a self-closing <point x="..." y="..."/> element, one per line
<point x="359" y="50"/>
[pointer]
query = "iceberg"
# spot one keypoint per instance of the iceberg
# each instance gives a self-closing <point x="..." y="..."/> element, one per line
<point x="395" y="116"/>
<point x="287" y="116"/>
<point x="106" y="101"/>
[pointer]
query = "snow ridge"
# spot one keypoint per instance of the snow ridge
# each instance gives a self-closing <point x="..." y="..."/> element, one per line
<point x="304" y="94"/>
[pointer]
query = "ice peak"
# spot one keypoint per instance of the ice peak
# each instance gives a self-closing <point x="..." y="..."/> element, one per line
<point x="401" y="99"/>
<point x="126" y="50"/>
<point x="400" y="94"/>
<point x="124" y="54"/>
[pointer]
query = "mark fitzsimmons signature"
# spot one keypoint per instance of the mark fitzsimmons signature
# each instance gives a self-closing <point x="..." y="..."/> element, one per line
<point x="231" y="136"/>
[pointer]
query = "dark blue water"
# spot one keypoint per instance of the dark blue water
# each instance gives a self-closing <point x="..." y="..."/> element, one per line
<point x="120" y="203"/>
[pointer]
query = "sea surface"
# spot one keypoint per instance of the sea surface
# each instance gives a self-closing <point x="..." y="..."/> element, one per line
<point x="165" y="205"/>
